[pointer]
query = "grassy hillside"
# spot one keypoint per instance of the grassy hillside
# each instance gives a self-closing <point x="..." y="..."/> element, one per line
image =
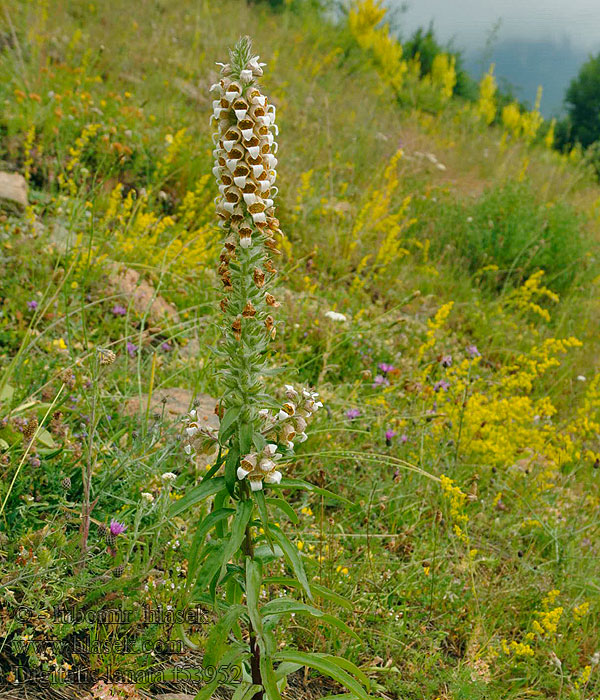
<point x="461" y="392"/>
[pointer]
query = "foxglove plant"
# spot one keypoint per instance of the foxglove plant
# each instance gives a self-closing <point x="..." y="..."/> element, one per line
<point x="236" y="541"/>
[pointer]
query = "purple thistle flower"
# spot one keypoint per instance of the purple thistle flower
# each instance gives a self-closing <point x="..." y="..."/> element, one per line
<point x="403" y="439"/>
<point x="166" y="347"/>
<point x="116" y="528"/>
<point x="32" y="305"/>
<point x="442" y="384"/>
<point x="119" y="310"/>
<point x="389" y="434"/>
<point x="380" y="380"/>
<point x="353" y="413"/>
<point x="131" y="349"/>
<point x="385" y="367"/>
<point x="446" y="360"/>
<point x="473" y="351"/>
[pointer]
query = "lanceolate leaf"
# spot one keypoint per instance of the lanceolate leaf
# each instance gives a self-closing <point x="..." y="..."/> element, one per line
<point x="288" y="483"/>
<point x="350" y="667"/>
<point x="203" y="529"/>
<point x="238" y="531"/>
<point x="284" y="669"/>
<point x="287" y="606"/>
<point x="227" y="424"/>
<point x="197" y="494"/>
<point x="216" y="645"/>
<point x="264" y="516"/>
<point x="210" y="567"/>
<point x="268" y="678"/>
<point x="253" y="581"/>
<point x="293" y="557"/>
<point x="317" y="590"/>
<point x="215" y="467"/>
<point x="246" y="691"/>
<point x="326" y="666"/>
<point x="231" y="463"/>
<point x="285" y="507"/>
<point x="245" y="438"/>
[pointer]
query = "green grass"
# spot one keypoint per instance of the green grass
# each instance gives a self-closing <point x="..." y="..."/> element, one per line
<point x="432" y="612"/>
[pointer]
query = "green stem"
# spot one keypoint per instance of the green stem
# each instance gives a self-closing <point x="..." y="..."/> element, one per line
<point x="248" y="550"/>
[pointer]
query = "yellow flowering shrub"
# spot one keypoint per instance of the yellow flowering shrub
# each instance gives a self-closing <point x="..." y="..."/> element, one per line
<point x="525" y="298"/>
<point x="486" y="103"/>
<point x="523" y="125"/>
<point x="179" y="243"/>
<point x="443" y="74"/>
<point x="364" y="22"/>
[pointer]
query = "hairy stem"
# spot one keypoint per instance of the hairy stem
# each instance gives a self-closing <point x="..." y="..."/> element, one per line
<point x="248" y="550"/>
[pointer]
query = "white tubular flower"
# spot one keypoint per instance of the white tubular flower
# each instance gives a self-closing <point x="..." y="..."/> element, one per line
<point x="266" y="465"/>
<point x="273" y="477"/>
<point x="242" y="473"/>
<point x="256" y="484"/>
<point x="287" y="432"/>
<point x="245" y="170"/>
<point x="244" y="140"/>
<point x="291" y="393"/>
<point x="286" y="411"/>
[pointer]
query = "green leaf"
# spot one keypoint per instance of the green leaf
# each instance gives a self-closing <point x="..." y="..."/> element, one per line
<point x="268" y="678"/>
<point x="216" y="645"/>
<point x="7" y="392"/>
<point x="210" y="567"/>
<point x="197" y="494"/>
<point x="203" y="529"/>
<point x="253" y="581"/>
<point x="285" y="507"/>
<point x="264" y="515"/>
<point x="288" y="483"/>
<point x="265" y="554"/>
<point x="246" y="691"/>
<point x="326" y="666"/>
<point x="227" y="424"/>
<point x="3" y="444"/>
<point x="246" y="431"/>
<point x="318" y="590"/>
<point x="293" y="557"/>
<point x="45" y="438"/>
<point x="259" y="441"/>
<point x="287" y="606"/>
<point x="238" y="531"/>
<point x="284" y="669"/>
<point x="215" y="467"/>
<point x="231" y="464"/>
<point x="350" y="667"/>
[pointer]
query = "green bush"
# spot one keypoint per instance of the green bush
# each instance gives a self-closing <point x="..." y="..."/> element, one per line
<point x="509" y="229"/>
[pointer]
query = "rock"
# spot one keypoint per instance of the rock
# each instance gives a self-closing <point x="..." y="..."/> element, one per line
<point x="130" y="284"/>
<point x="177" y="402"/>
<point x="59" y="236"/>
<point x="13" y="192"/>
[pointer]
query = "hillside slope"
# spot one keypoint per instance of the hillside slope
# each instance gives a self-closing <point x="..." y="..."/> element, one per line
<point x="462" y="390"/>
